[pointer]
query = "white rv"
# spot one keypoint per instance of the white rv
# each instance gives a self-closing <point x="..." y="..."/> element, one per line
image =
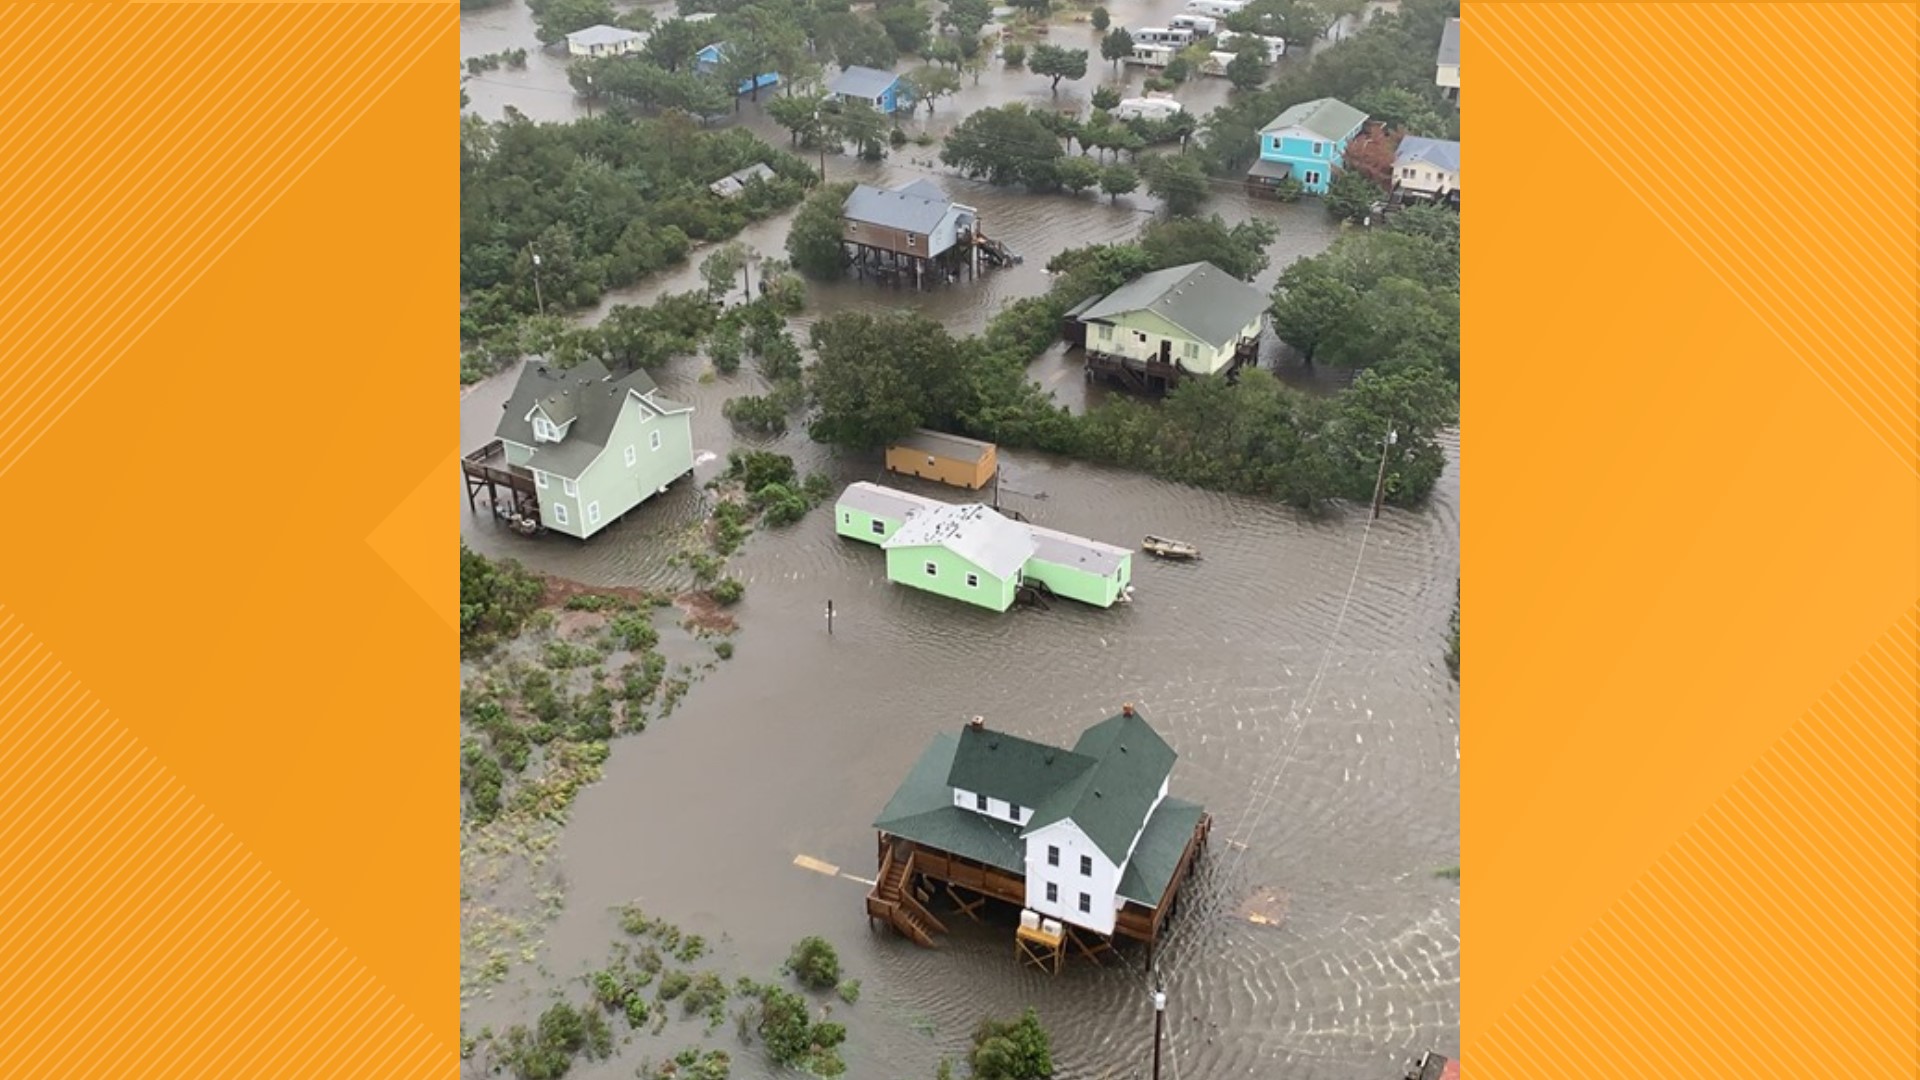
<point x="1276" y="47"/>
<point x="1218" y="9"/>
<point x="1151" y="107"/>
<point x="1162" y="35"/>
<point x="1153" y="56"/>
<point x="1197" y="25"/>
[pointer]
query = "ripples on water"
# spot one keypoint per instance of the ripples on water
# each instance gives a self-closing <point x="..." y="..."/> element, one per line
<point x="1348" y="803"/>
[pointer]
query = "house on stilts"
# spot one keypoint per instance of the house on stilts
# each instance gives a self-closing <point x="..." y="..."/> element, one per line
<point x="1086" y="843"/>
<point x="915" y="234"/>
<point x="1182" y="322"/>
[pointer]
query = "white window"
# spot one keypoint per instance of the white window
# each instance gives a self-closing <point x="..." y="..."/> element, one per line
<point x="1106" y="333"/>
<point x="1053" y="893"/>
<point x="560" y="513"/>
<point x="912" y="240"/>
<point x="932" y="570"/>
<point x="1193" y="350"/>
<point x="572" y="487"/>
<point x="539" y="479"/>
<point x="973" y="581"/>
<point x="879" y="527"/>
<point x="653" y="441"/>
<point x="593" y="512"/>
<point x="544" y="431"/>
<point x="632" y="456"/>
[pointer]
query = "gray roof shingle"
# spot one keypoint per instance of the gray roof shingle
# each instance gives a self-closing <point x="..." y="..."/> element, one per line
<point x="1449" y="54"/>
<point x="890" y="503"/>
<point x="1200" y="298"/>
<point x="1329" y="118"/>
<point x="862" y="82"/>
<point x="1441" y="153"/>
<point x="909" y="212"/>
<point x="588" y="396"/>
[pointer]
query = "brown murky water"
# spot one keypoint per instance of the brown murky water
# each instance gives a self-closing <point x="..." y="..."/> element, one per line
<point x="1300" y="681"/>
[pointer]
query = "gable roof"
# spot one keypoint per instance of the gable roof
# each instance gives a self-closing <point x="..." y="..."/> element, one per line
<point x="1078" y="552"/>
<point x="1449" y="54"/>
<point x="885" y="502"/>
<point x="735" y="182"/>
<point x="957" y="447"/>
<point x="908" y="211"/>
<point x="925" y="188"/>
<point x="1329" y="118"/>
<point x="586" y="394"/>
<point x="604" y="35"/>
<point x="1442" y="154"/>
<point x="1200" y="298"/>
<point x="922" y="810"/>
<point x="996" y="544"/>
<point x="1012" y="769"/>
<point x="1110" y="802"/>
<point x="862" y="82"/>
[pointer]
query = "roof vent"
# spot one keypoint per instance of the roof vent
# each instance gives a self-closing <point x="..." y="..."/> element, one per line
<point x="977" y="723"/>
<point x="1127" y="709"/>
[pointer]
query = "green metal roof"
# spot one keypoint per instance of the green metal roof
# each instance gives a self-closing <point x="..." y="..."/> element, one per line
<point x="923" y="811"/>
<point x="1157" y="855"/>
<point x="1013" y="769"/>
<point x="1329" y="118"/>
<point x="1200" y="298"/>
<point x="1110" y="801"/>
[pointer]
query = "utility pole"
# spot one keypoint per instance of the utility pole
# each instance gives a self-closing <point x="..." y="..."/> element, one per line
<point x="589" y="97"/>
<point x="538" y="298"/>
<point x="829" y="618"/>
<point x="1159" y="1019"/>
<point x="1380" y="481"/>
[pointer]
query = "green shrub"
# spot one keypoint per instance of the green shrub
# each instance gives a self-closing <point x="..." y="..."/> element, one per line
<point x="761" y="413"/>
<point x="706" y="992"/>
<point x="849" y="991"/>
<point x="673" y="984"/>
<point x="728" y="591"/>
<point x="815" y="963"/>
<point x="723" y="649"/>
<point x="1015" y="55"/>
<point x="634" y="631"/>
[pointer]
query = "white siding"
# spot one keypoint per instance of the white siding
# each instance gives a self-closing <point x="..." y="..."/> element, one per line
<point x="1144" y="344"/>
<point x="1102" y="886"/>
<point x="945" y="233"/>
<point x="1422" y="176"/>
<point x="997" y="809"/>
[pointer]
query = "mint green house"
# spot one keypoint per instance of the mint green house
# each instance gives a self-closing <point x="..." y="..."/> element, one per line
<point x="596" y="446"/>
<point x="1182" y="322"/>
<point x="971" y="553"/>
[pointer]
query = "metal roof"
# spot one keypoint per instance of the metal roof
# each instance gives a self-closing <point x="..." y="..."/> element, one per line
<point x="1078" y="552"/>
<point x="1440" y="153"/>
<point x="914" y="213"/>
<point x="925" y="188"/>
<point x="862" y="82"/>
<point x="998" y="545"/>
<point x="1200" y="298"/>
<point x="1264" y="169"/>
<point x="886" y="502"/>
<point x="604" y="35"/>
<point x="1449" y="55"/>
<point x="1329" y="118"/>
<point x="950" y="446"/>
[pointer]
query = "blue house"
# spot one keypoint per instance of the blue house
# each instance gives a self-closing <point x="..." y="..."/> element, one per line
<point x="1307" y="142"/>
<point x="883" y="90"/>
<point x="707" y="62"/>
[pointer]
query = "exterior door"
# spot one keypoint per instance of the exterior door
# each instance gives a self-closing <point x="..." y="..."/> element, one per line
<point x="1166" y="351"/>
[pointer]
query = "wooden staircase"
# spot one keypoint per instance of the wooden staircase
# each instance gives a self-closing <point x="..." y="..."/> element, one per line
<point x="892" y="900"/>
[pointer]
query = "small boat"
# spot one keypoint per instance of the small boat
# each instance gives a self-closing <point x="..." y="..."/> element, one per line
<point x="1169" y="549"/>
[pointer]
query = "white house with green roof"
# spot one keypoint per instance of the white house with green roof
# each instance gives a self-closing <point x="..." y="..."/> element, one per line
<point x="595" y="445"/>
<point x="1091" y="833"/>
<point x="1191" y="320"/>
<point x="1307" y="142"/>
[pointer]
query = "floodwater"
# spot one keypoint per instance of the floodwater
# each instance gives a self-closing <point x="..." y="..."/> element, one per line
<point x="1296" y="669"/>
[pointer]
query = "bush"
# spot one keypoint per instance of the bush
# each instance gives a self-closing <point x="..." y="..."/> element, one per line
<point x="815" y="963"/>
<point x="764" y="414"/>
<point x="496" y="597"/>
<point x="728" y="591"/>
<point x="849" y="991"/>
<point x="634" y="631"/>
<point x="706" y="992"/>
<point x="1015" y="55"/>
<point x="547" y="1051"/>
<point x="723" y="649"/>
<point x="673" y="984"/>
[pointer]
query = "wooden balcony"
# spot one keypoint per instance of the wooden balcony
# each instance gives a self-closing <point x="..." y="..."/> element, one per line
<point x="1156" y="376"/>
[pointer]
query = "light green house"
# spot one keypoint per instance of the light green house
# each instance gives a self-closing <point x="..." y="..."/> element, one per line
<point x="972" y="553"/>
<point x="1187" y="320"/>
<point x="597" y="446"/>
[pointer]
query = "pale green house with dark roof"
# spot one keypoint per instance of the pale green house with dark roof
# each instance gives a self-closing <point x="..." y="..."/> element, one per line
<point x="1091" y="833"/>
<point x="595" y="445"/>
<point x="1191" y="320"/>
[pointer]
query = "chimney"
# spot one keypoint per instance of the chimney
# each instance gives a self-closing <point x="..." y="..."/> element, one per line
<point x="1127" y="709"/>
<point x="978" y="723"/>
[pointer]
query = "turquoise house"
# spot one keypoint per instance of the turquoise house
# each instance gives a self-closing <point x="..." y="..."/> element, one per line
<point x="975" y="555"/>
<point x="707" y="62"/>
<point x="1307" y="143"/>
<point x="884" y="91"/>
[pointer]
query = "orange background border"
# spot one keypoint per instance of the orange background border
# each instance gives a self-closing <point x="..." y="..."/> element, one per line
<point x="226" y="631"/>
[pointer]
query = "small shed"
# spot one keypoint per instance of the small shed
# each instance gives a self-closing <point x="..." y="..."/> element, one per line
<point x="949" y="459"/>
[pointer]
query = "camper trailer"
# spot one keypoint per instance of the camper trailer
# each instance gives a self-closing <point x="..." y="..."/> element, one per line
<point x="1153" y="56"/>
<point x="1276" y="47"/>
<point x="1216" y="63"/>
<point x="1151" y="107"/>
<point x="1162" y="35"/>
<point x="1197" y="25"/>
<point x="1218" y="9"/>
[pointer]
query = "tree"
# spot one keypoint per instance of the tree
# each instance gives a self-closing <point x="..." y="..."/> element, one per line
<point x="1397" y="107"/>
<point x="1101" y="20"/>
<point x="1007" y="146"/>
<point x="1058" y="63"/>
<point x="1248" y="68"/>
<point x="1240" y="250"/>
<point x="1015" y="55"/>
<point x="1351" y="196"/>
<point x="877" y="377"/>
<point x="1117" y="45"/>
<point x="1012" y="1050"/>
<point x="1117" y="180"/>
<point x="1370" y="154"/>
<point x="1179" y="182"/>
<point x="800" y="115"/>
<point x="906" y="24"/>
<point x="1077" y="174"/>
<point x="1105" y="97"/>
<point x="724" y="267"/>
<point x="930" y="84"/>
<point x="674" y="43"/>
<point x="862" y="125"/>
<point x="852" y="40"/>
<point x="1310" y="304"/>
<point x="815" y="963"/>
<point x="555" y="19"/>
<point x="968" y="17"/>
<point x="813" y="243"/>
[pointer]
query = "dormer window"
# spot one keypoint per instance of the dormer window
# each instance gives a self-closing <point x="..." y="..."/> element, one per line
<point x="980" y="803"/>
<point x="545" y="430"/>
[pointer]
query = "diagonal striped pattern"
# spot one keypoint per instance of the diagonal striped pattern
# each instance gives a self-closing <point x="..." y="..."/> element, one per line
<point x="141" y="938"/>
<point x="1778" y="929"/>
<point x="140" y="143"/>
<point x="1768" y="138"/>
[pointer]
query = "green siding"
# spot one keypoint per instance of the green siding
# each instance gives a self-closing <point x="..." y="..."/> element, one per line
<point x="1077" y="584"/>
<point x="611" y="483"/>
<point x="908" y="566"/>
<point x="857" y="524"/>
